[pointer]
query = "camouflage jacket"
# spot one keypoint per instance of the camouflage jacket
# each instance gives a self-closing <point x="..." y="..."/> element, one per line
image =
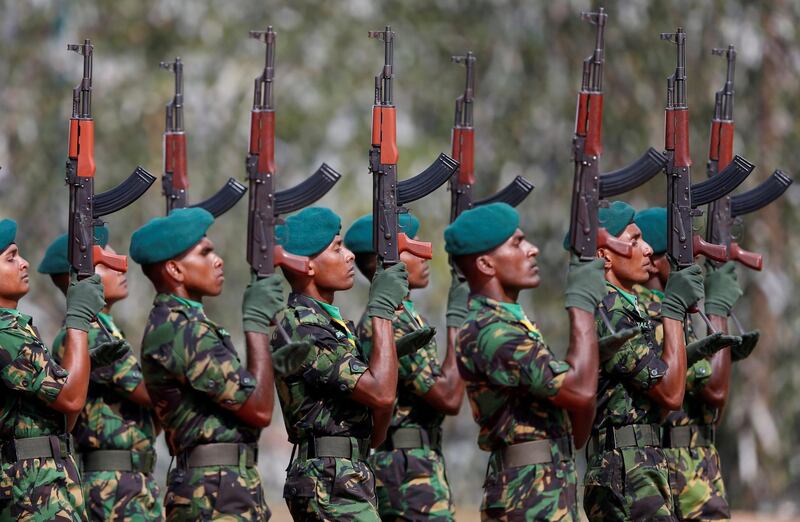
<point x="627" y="373"/>
<point x="194" y="376"/>
<point x="316" y="399"/>
<point x="695" y="410"/>
<point x="417" y="373"/>
<point x="32" y="379"/>
<point x="109" y="420"/>
<point x="510" y="374"/>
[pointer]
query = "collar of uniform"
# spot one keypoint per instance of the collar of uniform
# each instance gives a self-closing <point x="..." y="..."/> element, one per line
<point x="333" y="311"/>
<point x="303" y="301"/>
<point x="23" y="319"/>
<point x="631" y="298"/>
<point x="507" y="311"/>
<point x="648" y="294"/>
<point x="108" y="322"/>
<point x="172" y="299"/>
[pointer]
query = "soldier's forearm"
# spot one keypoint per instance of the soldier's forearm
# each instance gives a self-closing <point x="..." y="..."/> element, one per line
<point x="381" y="420"/>
<point x="715" y="392"/>
<point x="668" y="393"/>
<point x="76" y="361"/>
<point x="377" y="387"/>
<point x="447" y="394"/>
<point x="579" y="388"/>
<point x="257" y="410"/>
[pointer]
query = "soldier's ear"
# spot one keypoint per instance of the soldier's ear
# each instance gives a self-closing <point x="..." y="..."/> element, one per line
<point x="486" y="265"/>
<point x="603" y="254"/>
<point x="174" y="270"/>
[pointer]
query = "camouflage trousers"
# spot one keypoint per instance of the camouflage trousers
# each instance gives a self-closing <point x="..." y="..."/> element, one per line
<point x="628" y="484"/>
<point x="331" y="489"/>
<point x="530" y="493"/>
<point x="411" y="485"/>
<point x="696" y="482"/>
<point x="43" y="489"/>
<point x="230" y="493"/>
<point x="122" y="496"/>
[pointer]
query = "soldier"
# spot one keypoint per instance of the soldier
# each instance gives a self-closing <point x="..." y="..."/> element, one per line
<point x="627" y="477"/>
<point x="41" y="400"/>
<point x="212" y="408"/>
<point x="528" y="404"/>
<point x="410" y="479"/>
<point x="336" y="405"/>
<point x="689" y="434"/>
<point x="116" y="431"/>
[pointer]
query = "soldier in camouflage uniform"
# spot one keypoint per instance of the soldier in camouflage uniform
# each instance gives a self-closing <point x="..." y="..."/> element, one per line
<point x="115" y="433"/>
<point x="528" y="404"/>
<point x="41" y="399"/>
<point x="336" y="405"/>
<point x="410" y="479"/>
<point x="689" y="433"/>
<point x="627" y="476"/>
<point x="211" y="407"/>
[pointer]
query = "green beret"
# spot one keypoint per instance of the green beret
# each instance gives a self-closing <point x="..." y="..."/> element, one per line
<point x="55" y="257"/>
<point x="616" y="217"/>
<point x="308" y="232"/>
<point x="8" y="233"/>
<point x="653" y="224"/>
<point x="481" y="229"/>
<point x="359" y="236"/>
<point x="167" y="237"/>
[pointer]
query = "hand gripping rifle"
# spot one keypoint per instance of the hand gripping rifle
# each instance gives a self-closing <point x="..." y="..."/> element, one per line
<point x="720" y="219"/>
<point x="266" y="205"/>
<point x="86" y="208"/>
<point x="388" y="195"/>
<point x="463" y="142"/>
<point x="175" y="180"/>
<point x="589" y="186"/>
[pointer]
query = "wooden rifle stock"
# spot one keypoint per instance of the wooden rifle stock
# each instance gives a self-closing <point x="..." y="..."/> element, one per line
<point x="291" y="261"/>
<point x="412" y="246"/>
<point x="619" y="247"/>
<point x="751" y="260"/>
<point x="113" y="261"/>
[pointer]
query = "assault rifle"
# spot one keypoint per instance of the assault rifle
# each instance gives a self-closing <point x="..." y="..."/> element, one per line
<point x="589" y="186"/>
<point x="463" y="143"/>
<point x="388" y="195"/>
<point x="266" y="205"/>
<point x="175" y="181"/>
<point x="683" y="198"/>
<point x="85" y="207"/>
<point x="721" y="215"/>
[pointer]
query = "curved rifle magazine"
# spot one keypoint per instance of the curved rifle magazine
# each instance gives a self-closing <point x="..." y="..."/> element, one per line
<point x="761" y="196"/>
<point x="307" y="191"/>
<point x="224" y="199"/>
<point x="123" y="194"/>
<point x="426" y="181"/>
<point x="721" y="184"/>
<point x="637" y="173"/>
<point x="513" y="194"/>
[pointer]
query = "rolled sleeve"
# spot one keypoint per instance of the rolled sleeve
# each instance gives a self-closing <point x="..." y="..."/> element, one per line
<point x="698" y="376"/>
<point x="32" y="370"/>
<point x="421" y="369"/>
<point x="213" y="368"/>
<point x="125" y="374"/>
<point x="513" y="357"/>
<point x="636" y="363"/>
<point x="337" y="366"/>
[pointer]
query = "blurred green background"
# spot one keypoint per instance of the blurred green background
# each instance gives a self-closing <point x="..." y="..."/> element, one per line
<point x="528" y="71"/>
